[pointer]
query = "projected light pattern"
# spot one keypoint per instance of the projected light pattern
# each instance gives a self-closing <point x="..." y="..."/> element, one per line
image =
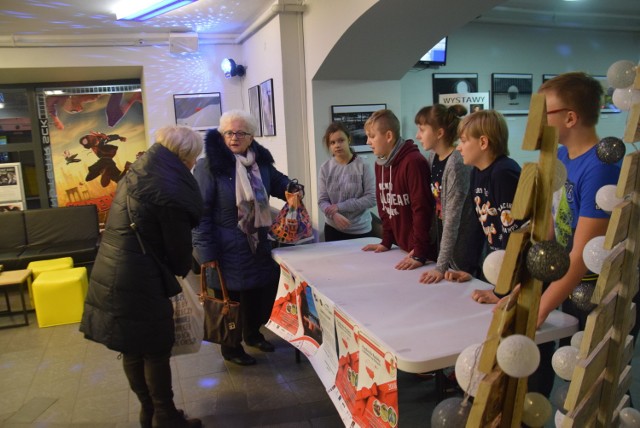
<point x="79" y="17"/>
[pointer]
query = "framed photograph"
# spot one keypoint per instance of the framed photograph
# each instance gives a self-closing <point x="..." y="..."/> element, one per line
<point x="267" y="112"/>
<point x="453" y="83"/>
<point x="12" y="196"/>
<point x="546" y="77"/>
<point x="354" y="116"/>
<point x="606" y="105"/>
<point x="254" y="107"/>
<point x="511" y="92"/>
<point x="198" y="111"/>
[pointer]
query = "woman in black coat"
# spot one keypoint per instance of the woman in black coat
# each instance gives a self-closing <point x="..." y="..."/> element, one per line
<point x="127" y="306"/>
<point x="236" y="179"/>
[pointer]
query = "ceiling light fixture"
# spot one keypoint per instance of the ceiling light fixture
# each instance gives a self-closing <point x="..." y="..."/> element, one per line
<point x="142" y="10"/>
<point x="230" y="68"/>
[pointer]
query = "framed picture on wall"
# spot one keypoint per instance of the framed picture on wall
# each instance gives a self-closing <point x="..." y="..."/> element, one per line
<point x="453" y="83"/>
<point x="254" y="107"/>
<point x="354" y="116"/>
<point x="267" y="111"/>
<point x="511" y="92"/>
<point x="198" y="111"/>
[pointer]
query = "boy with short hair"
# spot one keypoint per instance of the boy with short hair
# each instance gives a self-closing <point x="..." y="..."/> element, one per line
<point x="405" y="202"/>
<point x="484" y="138"/>
<point x="573" y="106"/>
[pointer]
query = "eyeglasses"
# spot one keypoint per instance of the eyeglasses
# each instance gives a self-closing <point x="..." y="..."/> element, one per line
<point x="239" y="135"/>
<point x="558" y="110"/>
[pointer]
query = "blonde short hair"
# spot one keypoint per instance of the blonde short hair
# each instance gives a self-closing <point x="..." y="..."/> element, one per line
<point x="385" y="121"/>
<point x="492" y="125"/>
<point x="182" y="141"/>
<point x="249" y="121"/>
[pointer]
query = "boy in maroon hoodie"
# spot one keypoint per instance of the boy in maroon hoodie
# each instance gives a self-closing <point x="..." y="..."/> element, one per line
<point x="405" y="202"/>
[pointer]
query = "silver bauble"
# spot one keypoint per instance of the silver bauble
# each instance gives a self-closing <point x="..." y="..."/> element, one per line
<point x="581" y="296"/>
<point x="610" y="149"/>
<point x="451" y="413"/>
<point x="547" y="261"/>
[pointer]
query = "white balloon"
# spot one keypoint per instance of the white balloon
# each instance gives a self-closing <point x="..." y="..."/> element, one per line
<point x="594" y="254"/>
<point x="576" y="339"/>
<point x="559" y="176"/>
<point x="629" y="418"/>
<point x="625" y="98"/>
<point x="518" y="356"/>
<point x="621" y="73"/>
<point x="606" y="197"/>
<point x="492" y="265"/>
<point x="559" y="419"/>
<point x="466" y="369"/>
<point x="564" y="360"/>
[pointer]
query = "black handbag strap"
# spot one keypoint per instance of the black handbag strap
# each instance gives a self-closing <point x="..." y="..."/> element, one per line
<point x="203" y="280"/>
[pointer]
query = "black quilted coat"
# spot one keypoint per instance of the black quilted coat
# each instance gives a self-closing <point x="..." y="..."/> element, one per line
<point x="127" y="307"/>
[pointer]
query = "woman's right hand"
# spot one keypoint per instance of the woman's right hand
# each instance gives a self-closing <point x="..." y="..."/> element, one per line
<point x="341" y="221"/>
<point x="377" y="248"/>
<point x="457" y="276"/>
<point x="431" y="277"/>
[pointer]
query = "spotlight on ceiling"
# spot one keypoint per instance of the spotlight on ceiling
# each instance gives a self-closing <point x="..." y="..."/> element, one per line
<point x="141" y="10"/>
<point x="230" y="68"/>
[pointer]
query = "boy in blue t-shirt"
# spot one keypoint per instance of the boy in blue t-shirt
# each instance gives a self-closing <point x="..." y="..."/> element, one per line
<point x="573" y="106"/>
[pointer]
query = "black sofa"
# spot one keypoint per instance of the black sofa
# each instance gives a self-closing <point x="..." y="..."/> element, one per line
<point x="49" y="233"/>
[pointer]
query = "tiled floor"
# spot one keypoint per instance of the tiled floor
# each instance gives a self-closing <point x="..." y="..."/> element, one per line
<point x="53" y="377"/>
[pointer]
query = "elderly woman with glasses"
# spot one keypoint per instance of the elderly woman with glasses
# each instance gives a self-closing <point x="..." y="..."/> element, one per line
<point x="236" y="179"/>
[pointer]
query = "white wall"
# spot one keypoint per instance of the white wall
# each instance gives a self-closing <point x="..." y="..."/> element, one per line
<point x="163" y="75"/>
<point x="486" y="49"/>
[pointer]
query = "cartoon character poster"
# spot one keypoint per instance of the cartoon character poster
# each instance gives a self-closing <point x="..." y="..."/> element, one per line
<point x="90" y="140"/>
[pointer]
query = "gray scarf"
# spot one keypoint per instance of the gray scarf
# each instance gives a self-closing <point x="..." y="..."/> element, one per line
<point x="386" y="161"/>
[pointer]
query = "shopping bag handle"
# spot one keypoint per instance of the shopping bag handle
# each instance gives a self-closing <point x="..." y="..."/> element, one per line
<point x="203" y="280"/>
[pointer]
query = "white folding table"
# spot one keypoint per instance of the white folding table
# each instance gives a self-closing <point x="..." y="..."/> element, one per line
<point x="425" y="325"/>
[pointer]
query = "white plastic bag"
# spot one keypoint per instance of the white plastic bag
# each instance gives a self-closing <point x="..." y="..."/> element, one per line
<point x="188" y="319"/>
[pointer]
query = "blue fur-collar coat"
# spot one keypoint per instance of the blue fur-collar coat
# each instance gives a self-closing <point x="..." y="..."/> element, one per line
<point x="218" y="237"/>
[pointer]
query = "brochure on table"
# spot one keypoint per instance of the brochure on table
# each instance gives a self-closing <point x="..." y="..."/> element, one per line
<point x="12" y="197"/>
<point x="360" y="374"/>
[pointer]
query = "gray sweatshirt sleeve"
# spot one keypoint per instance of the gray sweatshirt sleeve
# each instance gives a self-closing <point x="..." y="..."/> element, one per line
<point x="455" y="192"/>
<point x="367" y="199"/>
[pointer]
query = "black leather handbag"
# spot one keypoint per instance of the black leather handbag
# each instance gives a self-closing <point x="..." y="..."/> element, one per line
<point x="222" y="321"/>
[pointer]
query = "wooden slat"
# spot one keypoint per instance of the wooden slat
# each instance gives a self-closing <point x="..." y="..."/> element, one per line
<point x="501" y="325"/>
<point x="610" y="274"/>
<point x="599" y="322"/>
<point x="632" y="130"/>
<point x="627" y="354"/>
<point x="487" y="404"/>
<point x="625" y="402"/>
<point x="587" y="410"/>
<point x="536" y="121"/>
<point x="624" y="383"/>
<point x="523" y="199"/>
<point x="510" y="270"/>
<point x="618" y="225"/>
<point x="628" y="174"/>
<point x="586" y="372"/>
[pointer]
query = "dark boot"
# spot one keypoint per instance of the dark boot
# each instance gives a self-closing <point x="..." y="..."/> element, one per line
<point x="158" y="375"/>
<point x="134" y="370"/>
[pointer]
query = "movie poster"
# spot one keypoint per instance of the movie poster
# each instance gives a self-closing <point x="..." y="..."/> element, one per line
<point x="90" y="140"/>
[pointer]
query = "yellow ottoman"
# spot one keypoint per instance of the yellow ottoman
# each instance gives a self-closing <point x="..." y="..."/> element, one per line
<point x="59" y="296"/>
<point x="46" y="265"/>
